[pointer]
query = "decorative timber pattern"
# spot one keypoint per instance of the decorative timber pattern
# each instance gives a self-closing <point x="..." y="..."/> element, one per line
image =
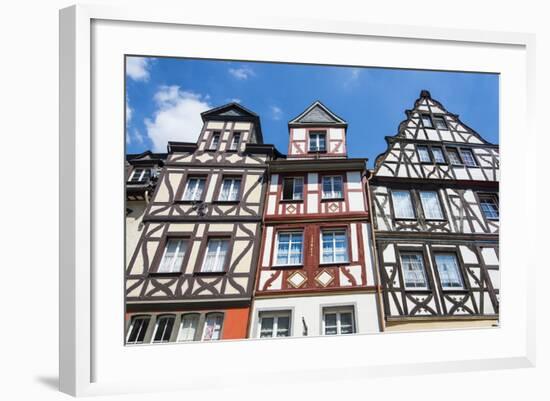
<point x="435" y="198"/>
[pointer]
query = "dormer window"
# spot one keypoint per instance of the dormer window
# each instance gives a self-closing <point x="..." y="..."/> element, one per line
<point x="140" y="174"/>
<point x="317" y="141"/>
<point x="215" y="141"/>
<point x="235" y="141"/>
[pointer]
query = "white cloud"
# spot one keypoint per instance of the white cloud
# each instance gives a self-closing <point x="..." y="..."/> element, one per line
<point x="352" y="77"/>
<point x="242" y="73"/>
<point x="177" y="117"/>
<point x="129" y="111"/>
<point x="137" y="68"/>
<point x="276" y="112"/>
<point x="233" y="100"/>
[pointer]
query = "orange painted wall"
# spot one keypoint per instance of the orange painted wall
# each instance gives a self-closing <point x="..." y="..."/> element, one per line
<point x="235" y="323"/>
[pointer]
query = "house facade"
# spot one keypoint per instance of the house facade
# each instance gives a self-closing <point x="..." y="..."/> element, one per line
<point x="316" y="272"/>
<point x="436" y="222"/>
<point x="191" y="274"/>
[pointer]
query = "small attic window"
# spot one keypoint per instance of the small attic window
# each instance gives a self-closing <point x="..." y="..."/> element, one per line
<point x="317" y="141"/>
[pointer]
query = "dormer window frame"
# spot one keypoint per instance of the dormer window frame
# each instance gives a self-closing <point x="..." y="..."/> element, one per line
<point x="318" y="133"/>
<point x="214" y="145"/>
<point x="237" y="145"/>
<point x="142" y="174"/>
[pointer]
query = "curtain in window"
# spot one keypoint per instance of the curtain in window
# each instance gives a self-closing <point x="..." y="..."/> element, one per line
<point x="334" y="247"/>
<point x="215" y="255"/>
<point x="402" y="205"/>
<point x="188" y="327"/>
<point x="289" y="249"/>
<point x="230" y="189"/>
<point x="414" y="274"/>
<point x="173" y="256"/>
<point x="194" y="188"/>
<point x="453" y="156"/>
<point x="431" y="205"/>
<point x="424" y="154"/>
<point x="468" y="157"/>
<point x="332" y="187"/>
<point x="438" y="155"/>
<point x="449" y="271"/>
<point x="212" y="327"/>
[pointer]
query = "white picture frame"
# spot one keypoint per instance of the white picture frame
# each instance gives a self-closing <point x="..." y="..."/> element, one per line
<point x="91" y="343"/>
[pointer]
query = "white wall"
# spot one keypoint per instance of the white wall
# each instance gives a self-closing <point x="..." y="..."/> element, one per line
<point x="310" y="309"/>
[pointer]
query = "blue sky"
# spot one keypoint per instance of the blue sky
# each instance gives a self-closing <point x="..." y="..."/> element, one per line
<point x="165" y="96"/>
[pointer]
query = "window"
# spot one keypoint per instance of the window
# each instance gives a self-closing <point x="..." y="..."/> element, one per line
<point x="332" y="187"/>
<point x="438" y="155"/>
<point x="140" y="174"/>
<point x="335" y="248"/>
<point x="231" y="188"/>
<point x="274" y="324"/>
<point x="194" y="189"/>
<point x="188" y="327"/>
<point x="468" y="157"/>
<point x="431" y="205"/>
<point x="163" y="329"/>
<point x="212" y="327"/>
<point x="449" y="271"/>
<point x="454" y="157"/>
<point x="424" y="154"/>
<point x="317" y="141"/>
<point x="172" y="257"/>
<point x="289" y="248"/>
<point x="216" y="253"/>
<point x="338" y="321"/>
<point x="440" y="123"/>
<point x="427" y="121"/>
<point x="489" y="206"/>
<point x="402" y="205"/>
<point x="414" y="274"/>
<point x="138" y="329"/>
<point x="215" y="141"/>
<point x="293" y="188"/>
<point x="235" y="141"/>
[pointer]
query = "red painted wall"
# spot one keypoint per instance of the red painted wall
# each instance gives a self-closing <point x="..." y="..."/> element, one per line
<point x="235" y="324"/>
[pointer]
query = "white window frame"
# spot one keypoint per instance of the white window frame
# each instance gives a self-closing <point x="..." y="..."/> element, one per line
<point x="194" y="190"/>
<point x="234" y="145"/>
<point x="157" y="321"/>
<point x="214" y="135"/>
<point x="442" y="213"/>
<point x="333" y="231"/>
<point x="414" y="217"/>
<point x="196" y="317"/>
<point x="294" y="192"/>
<point x="301" y="233"/>
<point x="459" y="271"/>
<point x="317" y="141"/>
<point x="426" y="285"/>
<point x="275" y="315"/>
<point x="182" y="241"/>
<point x="141" y="175"/>
<point x="131" y="327"/>
<point x="332" y="192"/>
<point x="339" y="310"/>
<point x="218" y="252"/>
<point x="231" y="187"/>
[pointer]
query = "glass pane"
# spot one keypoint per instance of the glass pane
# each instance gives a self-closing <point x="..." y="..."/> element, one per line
<point x="413" y="271"/>
<point x="346" y="323"/>
<point x="266" y="329"/>
<point x="322" y="145"/>
<point x="431" y="205"/>
<point x="138" y="328"/>
<point x="283" y="326"/>
<point x="438" y="155"/>
<point x="337" y="187"/>
<point x="402" y="205"/>
<point x="298" y="188"/>
<point x="449" y="271"/>
<point x="327" y="187"/>
<point x="424" y="154"/>
<point x="440" y="123"/>
<point x="427" y="121"/>
<point x="164" y="329"/>
<point x="288" y="188"/>
<point x="453" y="156"/>
<point x="330" y="322"/>
<point x="212" y="327"/>
<point x="188" y="327"/>
<point x="468" y="157"/>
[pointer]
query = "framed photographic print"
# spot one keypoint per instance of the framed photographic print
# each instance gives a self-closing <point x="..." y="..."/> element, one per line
<point x="308" y="191"/>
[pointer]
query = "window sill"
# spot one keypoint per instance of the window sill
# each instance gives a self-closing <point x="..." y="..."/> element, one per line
<point x="420" y="290"/>
<point x="165" y="274"/>
<point x="291" y="201"/>
<point x="404" y="219"/>
<point x="188" y="202"/>
<point x="226" y="202"/>
<point x="334" y="264"/>
<point x="457" y="290"/>
<point x="333" y="199"/>
<point x="209" y="273"/>
<point x="282" y="267"/>
<point x="436" y="220"/>
<point x="316" y="151"/>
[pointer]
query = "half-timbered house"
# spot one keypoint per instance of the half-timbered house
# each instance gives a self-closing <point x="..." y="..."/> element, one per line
<point x="436" y="222"/>
<point x="191" y="275"/>
<point x="316" y="272"/>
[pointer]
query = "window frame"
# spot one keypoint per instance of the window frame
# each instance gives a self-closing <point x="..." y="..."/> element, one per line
<point x="460" y="266"/>
<point x="211" y="141"/>
<point x="339" y="310"/>
<point x="445" y="161"/>
<point x="237" y="134"/>
<point x="428" y="151"/>
<point x="274" y="255"/>
<point x="451" y="149"/>
<point x="318" y="133"/>
<point x="440" y="202"/>
<point x="219" y="189"/>
<point x="429" y="117"/>
<point x="275" y="314"/>
<point x="158" y="318"/>
<point x="441" y="118"/>
<point x="322" y="185"/>
<point x="197" y="328"/>
<point x="142" y="174"/>
<point x="204" y="325"/>
<point x="494" y="196"/>
<point x="204" y="251"/>
<point x="293" y="178"/>
<point x="185" y="185"/>
<point x="347" y="242"/>
<point x="471" y="152"/>
<point x="413" y="206"/>
<point x="149" y="318"/>
<point x="419" y="251"/>
<point x="185" y="238"/>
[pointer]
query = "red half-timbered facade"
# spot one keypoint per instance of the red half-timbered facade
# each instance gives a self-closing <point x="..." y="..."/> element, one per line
<point x="316" y="264"/>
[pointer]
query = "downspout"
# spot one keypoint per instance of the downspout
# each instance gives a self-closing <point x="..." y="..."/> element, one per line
<point x="381" y="311"/>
